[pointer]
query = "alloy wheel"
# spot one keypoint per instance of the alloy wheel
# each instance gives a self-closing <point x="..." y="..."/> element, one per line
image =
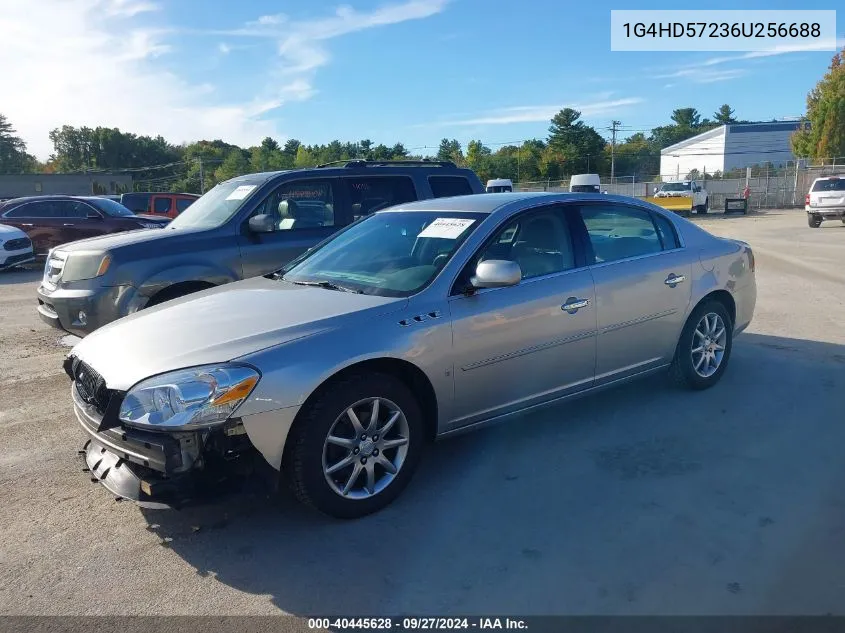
<point x="708" y="344"/>
<point x="365" y="448"/>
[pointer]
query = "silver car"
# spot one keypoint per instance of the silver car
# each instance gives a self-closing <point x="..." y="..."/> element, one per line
<point x="411" y="324"/>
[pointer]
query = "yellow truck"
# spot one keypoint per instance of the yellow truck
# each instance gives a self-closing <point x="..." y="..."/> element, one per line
<point x="682" y="196"/>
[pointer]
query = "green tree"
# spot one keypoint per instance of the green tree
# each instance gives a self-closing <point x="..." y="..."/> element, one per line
<point x="686" y="118"/>
<point x="724" y="115"/>
<point x="822" y="133"/>
<point x="450" y="149"/>
<point x="13" y="156"/>
<point x="236" y="163"/>
<point x="578" y="145"/>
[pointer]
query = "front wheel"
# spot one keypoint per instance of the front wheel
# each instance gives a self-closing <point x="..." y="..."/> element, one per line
<point x="814" y="221"/>
<point x="704" y="348"/>
<point x="355" y="448"/>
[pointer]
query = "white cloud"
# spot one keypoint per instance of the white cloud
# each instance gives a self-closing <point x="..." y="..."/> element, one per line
<point x="701" y="75"/>
<point x="129" y="8"/>
<point x="540" y="113"/>
<point x="96" y="62"/>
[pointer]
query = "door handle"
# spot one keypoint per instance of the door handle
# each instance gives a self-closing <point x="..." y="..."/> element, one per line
<point x="673" y="280"/>
<point x="68" y="224"/>
<point x="573" y="304"/>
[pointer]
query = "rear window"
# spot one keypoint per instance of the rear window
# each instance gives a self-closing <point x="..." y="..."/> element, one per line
<point x="161" y="205"/>
<point x="369" y="194"/>
<point x="447" y="186"/>
<point x="136" y="202"/>
<point x="830" y="184"/>
<point x="585" y="189"/>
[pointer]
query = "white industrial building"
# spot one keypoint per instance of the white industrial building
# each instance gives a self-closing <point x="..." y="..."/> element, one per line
<point x="728" y="147"/>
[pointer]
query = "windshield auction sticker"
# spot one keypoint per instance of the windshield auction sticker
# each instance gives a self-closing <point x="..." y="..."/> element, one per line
<point x="781" y="31"/>
<point x="448" y="228"/>
<point x="240" y="192"/>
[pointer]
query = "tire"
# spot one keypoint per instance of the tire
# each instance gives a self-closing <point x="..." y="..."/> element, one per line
<point x="683" y="370"/>
<point x="843" y="220"/>
<point x="308" y="453"/>
<point x="814" y="221"/>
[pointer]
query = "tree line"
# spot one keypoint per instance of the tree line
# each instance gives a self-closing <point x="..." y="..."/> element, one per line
<point x="570" y="147"/>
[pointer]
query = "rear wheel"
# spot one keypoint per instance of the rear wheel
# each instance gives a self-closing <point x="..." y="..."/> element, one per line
<point x="704" y="348"/>
<point x="815" y="221"/>
<point x="355" y="448"/>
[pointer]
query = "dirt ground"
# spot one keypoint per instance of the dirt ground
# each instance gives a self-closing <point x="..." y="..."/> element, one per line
<point x="644" y="500"/>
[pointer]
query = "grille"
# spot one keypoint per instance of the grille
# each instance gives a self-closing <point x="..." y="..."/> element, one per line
<point x="91" y="387"/>
<point x="17" y="244"/>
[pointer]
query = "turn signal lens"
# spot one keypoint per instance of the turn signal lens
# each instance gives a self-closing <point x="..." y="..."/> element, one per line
<point x="237" y="392"/>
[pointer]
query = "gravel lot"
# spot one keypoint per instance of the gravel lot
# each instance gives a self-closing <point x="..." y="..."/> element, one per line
<point x="644" y="500"/>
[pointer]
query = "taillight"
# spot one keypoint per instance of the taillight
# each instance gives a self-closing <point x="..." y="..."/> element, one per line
<point x="807" y="200"/>
<point x="751" y="262"/>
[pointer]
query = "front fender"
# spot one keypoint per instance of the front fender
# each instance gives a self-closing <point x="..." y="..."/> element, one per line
<point x="211" y="274"/>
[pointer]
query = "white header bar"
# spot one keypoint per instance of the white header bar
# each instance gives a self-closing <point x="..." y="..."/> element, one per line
<point x="727" y="30"/>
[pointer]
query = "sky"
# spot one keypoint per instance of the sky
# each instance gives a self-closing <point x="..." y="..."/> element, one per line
<point x="413" y="71"/>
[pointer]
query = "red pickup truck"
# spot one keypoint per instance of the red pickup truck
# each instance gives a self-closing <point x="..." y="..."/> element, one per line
<point x="167" y="205"/>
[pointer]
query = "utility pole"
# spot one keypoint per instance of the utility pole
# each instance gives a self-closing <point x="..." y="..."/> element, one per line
<point x="202" y="180"/>
<point x="613" y="129"/>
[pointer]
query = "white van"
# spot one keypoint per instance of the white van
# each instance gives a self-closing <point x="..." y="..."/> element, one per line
<point x="499" y="185"/>
<point x="585" y="183"/>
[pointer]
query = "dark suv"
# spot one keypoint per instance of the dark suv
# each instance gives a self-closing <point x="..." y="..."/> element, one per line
<point x="51" y="221"/>
<point x="247" y="226"/>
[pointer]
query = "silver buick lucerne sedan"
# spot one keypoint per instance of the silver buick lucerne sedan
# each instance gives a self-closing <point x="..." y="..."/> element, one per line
<point x="413" y="323"/>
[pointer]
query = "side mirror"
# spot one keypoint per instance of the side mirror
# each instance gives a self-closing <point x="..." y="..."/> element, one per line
<point x="262" y="223"/>
<point x="496" y="273"/>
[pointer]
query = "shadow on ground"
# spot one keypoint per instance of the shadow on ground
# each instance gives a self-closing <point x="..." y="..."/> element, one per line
<point x="645" y="499"/>
<point x="14" y="276"/>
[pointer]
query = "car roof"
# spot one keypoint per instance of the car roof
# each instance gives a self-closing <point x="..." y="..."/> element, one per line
<point x="428" y="168"/>
<point x="505" y="203"/>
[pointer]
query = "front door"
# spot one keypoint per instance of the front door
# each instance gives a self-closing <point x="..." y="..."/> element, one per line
<point x="305" y="213"/>
<point x="642" y="280"/>
<point x="525" y="344"/>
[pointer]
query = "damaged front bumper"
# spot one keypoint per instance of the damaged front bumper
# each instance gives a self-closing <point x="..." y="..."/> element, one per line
<point x="161" y="469"/>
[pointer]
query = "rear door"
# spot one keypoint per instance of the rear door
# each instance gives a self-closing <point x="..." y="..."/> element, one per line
<point x="305" y="212"/>
<point x="829" y="192"/>
<point x="39" y="220"/>
<point x="642" y="276"/>
<point x="368" y="194"/>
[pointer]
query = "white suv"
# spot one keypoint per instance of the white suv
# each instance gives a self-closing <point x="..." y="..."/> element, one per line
<point x="826" y="200"/>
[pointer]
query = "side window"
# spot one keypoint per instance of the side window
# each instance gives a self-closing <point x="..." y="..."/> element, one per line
<point x="666" y="232"/>
<point x="369" y="194"/>
<point x="182" y="204"/>
<point x="303" y="204"/>
<point x="539" y="241"/>
<point x="23" y="211"/>
<point x="618" y="232"/>
<point x="161" y="205"/>
<point x="445" y="186"/>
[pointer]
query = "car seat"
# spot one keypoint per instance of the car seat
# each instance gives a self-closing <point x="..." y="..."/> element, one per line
<point x="537" y="251"/>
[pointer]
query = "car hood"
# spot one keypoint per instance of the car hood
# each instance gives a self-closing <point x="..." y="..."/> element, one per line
<point x="112" y="241"/>
<point x="10" y="232"/>
<point x="218" y="325"/>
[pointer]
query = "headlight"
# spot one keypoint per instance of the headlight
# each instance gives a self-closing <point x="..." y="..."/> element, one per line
<point x="81" y="265"/>
<point x="188" y="399"/>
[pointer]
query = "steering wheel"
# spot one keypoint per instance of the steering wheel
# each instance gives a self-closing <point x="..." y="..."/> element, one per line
<point x="440" y="260"/>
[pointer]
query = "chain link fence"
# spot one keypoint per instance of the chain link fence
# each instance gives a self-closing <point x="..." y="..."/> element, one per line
<point x="769" y="188"/>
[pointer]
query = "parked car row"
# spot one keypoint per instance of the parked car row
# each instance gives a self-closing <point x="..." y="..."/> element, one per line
<point x="366" y="323"/>
<point x="51" y="221"/>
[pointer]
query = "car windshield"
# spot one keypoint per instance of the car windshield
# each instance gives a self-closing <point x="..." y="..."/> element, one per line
<point x="676" y="186"/>
<point x="217" y="206"/>
<point x="830" y="184"/>
<point x="110" y="207"/>
<point x="392" y="253"/>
